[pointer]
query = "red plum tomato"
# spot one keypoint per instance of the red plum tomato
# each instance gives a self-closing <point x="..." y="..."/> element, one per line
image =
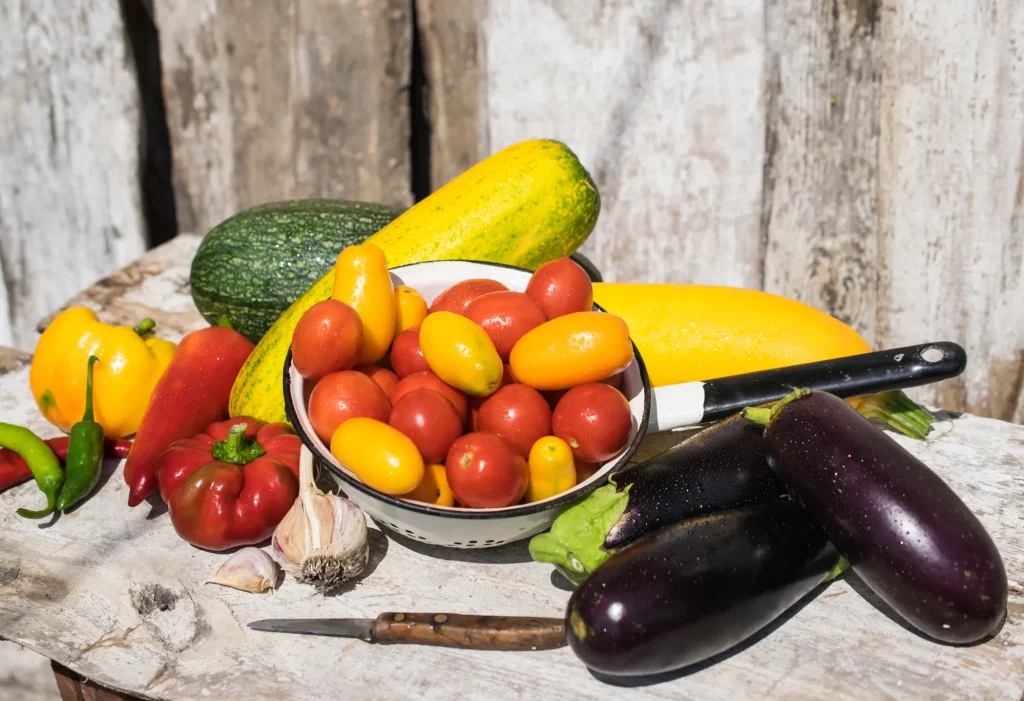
<point x="505" y="317"/>
<point x="429" y="420"/>
<point x="484" y="471"/>
<point x="406" y="354"/>
<point x="328" y="338"/>
<point x="457" y="297"/>
<point x="517" y="413"/>
<point x="428" y="380"/>
<point x="345" y="395"/>
<point x="561" y="287"/>
<point x="594" y="420"/>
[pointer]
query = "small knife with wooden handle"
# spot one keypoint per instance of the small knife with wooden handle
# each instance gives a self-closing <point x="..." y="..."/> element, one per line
<point x="438" y="629"/>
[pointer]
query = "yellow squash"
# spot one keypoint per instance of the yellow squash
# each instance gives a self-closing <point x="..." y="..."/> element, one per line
<point x="362" y="281"/>
<point x="526" y="205"/>
<point x="700" y="332"/>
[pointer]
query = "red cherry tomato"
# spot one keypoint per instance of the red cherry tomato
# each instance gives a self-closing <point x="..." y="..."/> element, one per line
<point x="457" y="297"/>
<point x="342" y="396"/>
<point x="561" y="287"/>
<point x="328" y="338"/>
<point x="384" y="378"/>
<point x="429" y="420"/>
<point x="428" y="380"/>
<point x="484" y="472"/>
<point x="475" y="402"/>
<point x="506" y="317"/>
<point x="406" y="354"/>
<point x="555" y="395"/>
<point x="517" y="413"/>
<point x="594" y="420"/>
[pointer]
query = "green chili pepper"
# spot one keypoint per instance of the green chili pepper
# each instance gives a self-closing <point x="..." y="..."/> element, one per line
<point x="45" y="466"/>
<point x="85" y="452"/>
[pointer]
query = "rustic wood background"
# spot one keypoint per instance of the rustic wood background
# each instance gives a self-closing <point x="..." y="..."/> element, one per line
<point x="863" y="156"/>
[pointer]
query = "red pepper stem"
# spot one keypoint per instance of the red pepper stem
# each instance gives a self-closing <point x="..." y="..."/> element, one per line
<point x="236" y="448"/>
<point x="88" y="416"/>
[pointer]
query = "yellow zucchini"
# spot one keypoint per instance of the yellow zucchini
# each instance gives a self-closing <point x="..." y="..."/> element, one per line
<point x="526" y="205"/>
<point x="700" y="332"/>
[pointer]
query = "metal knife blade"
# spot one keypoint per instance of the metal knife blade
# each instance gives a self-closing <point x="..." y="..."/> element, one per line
<point x="361" y="628"/>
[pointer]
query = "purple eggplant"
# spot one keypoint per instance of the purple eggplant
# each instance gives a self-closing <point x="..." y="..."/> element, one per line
<point x="903" y="530"/>
<point x="722" y="467"/>
<point x="697" y="588"/>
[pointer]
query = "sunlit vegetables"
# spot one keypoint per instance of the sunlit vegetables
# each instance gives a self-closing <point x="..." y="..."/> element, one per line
<point x="572" y="350"/>
<point x="460" y="353"/>
<point x="904" y="531"/>
<point x="362" y="281"/>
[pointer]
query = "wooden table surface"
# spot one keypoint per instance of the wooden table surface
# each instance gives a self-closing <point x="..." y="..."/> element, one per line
<point x="114" y="595"/>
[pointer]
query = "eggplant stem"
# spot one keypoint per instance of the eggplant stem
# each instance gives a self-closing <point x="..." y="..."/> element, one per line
<point x="758" y="416"/>
<point x="842" y="564"/>
<point x="899" y="412"/>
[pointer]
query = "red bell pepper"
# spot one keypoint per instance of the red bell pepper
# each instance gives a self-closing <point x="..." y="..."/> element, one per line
<point x="230" y="485"/>
<point x="193" y="392"/>
<point x="14" y="470"/>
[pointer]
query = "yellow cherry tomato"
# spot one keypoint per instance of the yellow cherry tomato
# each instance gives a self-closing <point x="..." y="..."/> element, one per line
<point x="382" y="457"/>
<point x="572" y="350"/>
<point x="552" y="469"/>
<point x="461" y="353"/>
<point x="410" y="308"/>
<point x="434" y="488"/>
<point x="362" y="281"/>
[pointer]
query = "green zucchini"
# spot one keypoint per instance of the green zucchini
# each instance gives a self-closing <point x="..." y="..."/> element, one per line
<point x="252" y="266"/>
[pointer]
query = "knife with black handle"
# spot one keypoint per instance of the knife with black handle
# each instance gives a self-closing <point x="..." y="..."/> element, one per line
<point x="512" y="633"/>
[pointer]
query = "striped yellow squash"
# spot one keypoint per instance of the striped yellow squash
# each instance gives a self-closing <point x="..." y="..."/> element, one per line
<point x="528" y="204"/>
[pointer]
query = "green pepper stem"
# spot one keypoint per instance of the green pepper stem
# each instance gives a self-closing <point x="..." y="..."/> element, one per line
<point x="88" y="389"/>
<point x="236" y="448"/>
<point x="145" y="327"/>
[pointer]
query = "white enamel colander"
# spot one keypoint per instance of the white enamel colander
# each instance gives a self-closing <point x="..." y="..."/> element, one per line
<point x="660" y="409"/>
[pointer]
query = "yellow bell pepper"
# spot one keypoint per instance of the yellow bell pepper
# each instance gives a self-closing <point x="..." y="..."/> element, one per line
<point x="129" y="366"/>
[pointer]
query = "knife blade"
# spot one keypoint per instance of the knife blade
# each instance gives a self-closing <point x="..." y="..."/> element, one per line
<point x="510" y="633"/>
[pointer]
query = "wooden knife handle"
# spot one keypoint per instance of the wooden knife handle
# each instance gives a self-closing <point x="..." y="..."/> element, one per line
<point x="470" y="632"/>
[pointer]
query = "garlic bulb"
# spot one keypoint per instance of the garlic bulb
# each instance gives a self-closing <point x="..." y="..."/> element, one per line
<point x="322" y="538"/>
<point x="250" y="569"/>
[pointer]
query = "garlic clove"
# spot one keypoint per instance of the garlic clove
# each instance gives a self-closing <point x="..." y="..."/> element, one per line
<point x="322" y="539"/>
<point x="250" y="569"/>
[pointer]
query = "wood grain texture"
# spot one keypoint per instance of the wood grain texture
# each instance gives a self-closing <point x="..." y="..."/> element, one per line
<point x="285" y="99"/>
<point x="951" y="193"/>
<point x="449" y="30"/>
<point x="70" y="209"/>
<point x="821" y="184"/>
<point x="661" y="100"/>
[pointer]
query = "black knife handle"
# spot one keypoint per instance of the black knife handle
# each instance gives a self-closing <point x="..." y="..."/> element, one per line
<point x="852" y="376"/>
<point x="470" y="632"/>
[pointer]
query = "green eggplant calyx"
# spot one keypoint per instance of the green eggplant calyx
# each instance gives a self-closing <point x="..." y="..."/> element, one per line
<point x="237" y="449"/>
<point x="764" y="415"/>
<point x="842" y="564"/>
<point x="575" y="544"/>
<point x="898" y="411"/>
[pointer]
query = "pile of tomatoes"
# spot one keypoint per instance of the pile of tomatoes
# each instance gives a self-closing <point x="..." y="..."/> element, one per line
<point x="487" y="398"/>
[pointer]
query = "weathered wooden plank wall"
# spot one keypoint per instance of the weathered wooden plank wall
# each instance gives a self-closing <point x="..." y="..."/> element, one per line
<point x="270" y="100"/>
<point x="864" y="156"/>
<point x="70" y="208"/>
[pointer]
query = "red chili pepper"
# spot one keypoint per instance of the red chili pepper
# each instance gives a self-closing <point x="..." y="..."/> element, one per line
<point x="14" y="470"/>
<point x="192" y="393"/>
<point x="232" y="484"/>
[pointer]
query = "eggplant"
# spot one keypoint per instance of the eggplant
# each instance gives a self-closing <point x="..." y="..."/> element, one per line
<point x="722" y="467"/>
<point x="903" y="530"/>
<point x="697" y="588"/>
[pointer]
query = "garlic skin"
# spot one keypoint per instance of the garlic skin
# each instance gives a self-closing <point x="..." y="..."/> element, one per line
<point x="322" y="539"/>
<point x="250" y="569"/>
